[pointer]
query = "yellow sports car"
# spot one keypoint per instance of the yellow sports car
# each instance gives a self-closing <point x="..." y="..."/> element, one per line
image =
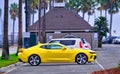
<point x="52" y="52"/>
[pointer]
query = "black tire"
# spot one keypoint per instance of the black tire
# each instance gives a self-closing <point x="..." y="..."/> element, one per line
<point x="81" y="59"/>
<point x="34" y="60"/>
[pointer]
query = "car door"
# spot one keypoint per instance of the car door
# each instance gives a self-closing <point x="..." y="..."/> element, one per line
<point x="57" y="53"/>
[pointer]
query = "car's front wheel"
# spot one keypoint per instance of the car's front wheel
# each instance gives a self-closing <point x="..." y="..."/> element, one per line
<point x="34" y="60"/>
<point x="81" y="58"/>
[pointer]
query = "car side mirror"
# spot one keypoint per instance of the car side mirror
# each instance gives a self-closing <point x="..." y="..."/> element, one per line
<point x="63" y="48"/>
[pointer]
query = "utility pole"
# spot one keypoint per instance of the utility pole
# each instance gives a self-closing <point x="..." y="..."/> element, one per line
<point x="26" y="15"/>
<point x="27" y="34"/>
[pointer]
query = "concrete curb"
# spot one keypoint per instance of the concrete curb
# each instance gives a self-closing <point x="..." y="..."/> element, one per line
<point x="5" y="70"/>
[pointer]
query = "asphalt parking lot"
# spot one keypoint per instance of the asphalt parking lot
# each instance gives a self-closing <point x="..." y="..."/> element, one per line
<point x="107" y="57"/>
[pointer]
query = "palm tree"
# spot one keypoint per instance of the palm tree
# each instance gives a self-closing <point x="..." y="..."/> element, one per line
<point x="0" y="12"/>
<point x="90" y="8"/>
<point x="14" y="14"/>
<point x="101" y="27"/>
<point x="113" y="8"/>
<point x="82" y="5"/>
<point x="44" y="22"/>
<point x="101" y="3"/>
<point x="33" y="8"/>
<point x="74" y="5"/>
<point x="39" y="18"/>
<point x="5" y="52"/>
<point x="20" y="26"/>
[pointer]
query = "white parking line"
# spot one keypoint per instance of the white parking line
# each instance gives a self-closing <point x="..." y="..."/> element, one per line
<point x="99" y="65"/>
<point x="11" y="70"/>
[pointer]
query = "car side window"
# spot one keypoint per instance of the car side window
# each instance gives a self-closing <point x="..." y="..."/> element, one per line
<point x="50" y="47"/>
<point x="67" y="42"/>
<point x="56" y="47"/>
<point x="54" y="41"/>
<point x="46" y="47"/>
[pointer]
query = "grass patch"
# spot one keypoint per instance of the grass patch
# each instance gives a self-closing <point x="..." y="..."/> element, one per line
<point x="13" y="59"/>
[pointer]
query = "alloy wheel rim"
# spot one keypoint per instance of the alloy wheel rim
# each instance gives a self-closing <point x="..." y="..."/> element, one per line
<point x="81" y="59"/>
<point x="34" y="60"/>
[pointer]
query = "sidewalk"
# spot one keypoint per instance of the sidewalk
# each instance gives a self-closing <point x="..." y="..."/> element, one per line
<point x="12" y="49"/>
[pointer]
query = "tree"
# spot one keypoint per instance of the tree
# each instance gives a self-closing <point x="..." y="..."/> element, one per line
<point x="113" y="8"/>
<point x="103" y="5"/>
<point x="74" y="5"/>
<point x="91" y="7"/>
<point x="101" y="27"/>
<point x="5" y="52"/>
<point x="33" y="8"/>
<point x="14" y="14"/>
<point x="20" y="26"/>
<point x="0" y="12"/>
<point x="82" y="5"/>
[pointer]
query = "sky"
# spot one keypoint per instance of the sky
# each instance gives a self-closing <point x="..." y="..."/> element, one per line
<point x="115" y="26"/>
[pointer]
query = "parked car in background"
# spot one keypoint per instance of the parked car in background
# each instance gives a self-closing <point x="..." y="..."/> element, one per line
<point x="108" y="40"/>
<point x="72" y="42"/>
<point x="116" y="40"/>
<point x="55" y="53"/>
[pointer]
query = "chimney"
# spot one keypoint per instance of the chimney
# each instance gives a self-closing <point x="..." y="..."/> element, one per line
<point x="60" y="3"/>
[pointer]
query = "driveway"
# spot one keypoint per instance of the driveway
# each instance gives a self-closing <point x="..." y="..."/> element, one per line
<point x="107" y="57"/>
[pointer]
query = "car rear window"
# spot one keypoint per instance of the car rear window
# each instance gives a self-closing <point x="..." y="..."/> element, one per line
<point x="64" y="42"/>
<point x="83" y="40"/>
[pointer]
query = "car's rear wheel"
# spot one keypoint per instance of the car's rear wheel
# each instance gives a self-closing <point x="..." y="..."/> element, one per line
<point x="81" y="59"/>
<point x="34" y="60"/>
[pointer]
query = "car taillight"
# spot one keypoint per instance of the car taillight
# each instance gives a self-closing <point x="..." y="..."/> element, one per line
<point x="86" y="46"/>
<point x="20" y="51"/>
<point x="80" y="44"/>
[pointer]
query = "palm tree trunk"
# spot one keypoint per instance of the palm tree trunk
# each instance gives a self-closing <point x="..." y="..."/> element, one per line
<point x="106" y="14"/>
<point x="44" y="23"/>
<point x="13" y="32"/>
<point x="39" y="27"/>
<point x="5" y="52"/>
<point x="20" y="26"/>
<point x="88" y="18"/>
<point x="111" y="17"/>
<point x="99" y="41"/>
<point x="33" y="19"/>
<point x="50" y="5"/>
<point x="83" y="15"/>
<point x="100" y="12"/>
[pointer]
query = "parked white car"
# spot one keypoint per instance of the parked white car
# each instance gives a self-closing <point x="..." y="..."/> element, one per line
<point x="72" y="42"/>
<point x="116" y="40"/>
